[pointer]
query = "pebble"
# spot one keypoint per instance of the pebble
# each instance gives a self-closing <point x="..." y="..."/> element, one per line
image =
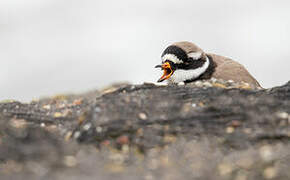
<point x="46" y="107"/>
<point x="169" y="138"/>
<point x="166" y="128"/>
<point x="133" y="87"/>
<point x="230" y="129"/>
<point x="219" y="85"/>
<point x="51" y="128"/>
<point x="99" y="129"/>
<point x="186" y="108"/>
<point x="11" y="166"/>
<point x="247" y="130"/>
<point x="149" y="177"/>
<point x="207" y="84"/>
<point x="153" y="164"/>
<point x="62" y="105"/>
<point x="266" y="153"/>
<point x="115" y="168"/>
<point x="201" y="104"/>
<point x="87" y="126"/>
<point x="181" y="84"/>
<point x="97" y="109"/>
<point x="270" y="173"/>
<point x="123" y="140"/>
<point x="66" y="112"/>
<point x="37" y="168"/>
<point x="140" y="132"/>
<point x="57" y="114"/>
<point x="235" y="123"/>
<point x="18" y="123"/>
<point x="142" y="116"/>
<point x="241" y="177"/>
<point x="245" y="163"/>
<point x="282" y="115"/>
<point x="81" y="119"/>
<point x="125" y="148"/>
<point x="198" y="83"/>
<point x="225" y="169"/>
<point x="165" y="160"/>
<point x="70" y="161"/>
<point x="109" y="90"/>
<point x="78" y="102"/>
<point x="213" y="80"/>
<point x="117" y="158"/>
<point x="105" y="143"/>
<point x="7" y="101"/>
<point x="68" y="136"/>
<point x="77" y="134"/>
<point x="245" y="86"/>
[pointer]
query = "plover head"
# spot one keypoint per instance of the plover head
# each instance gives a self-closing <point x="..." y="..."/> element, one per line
<point x="182" y="61"/>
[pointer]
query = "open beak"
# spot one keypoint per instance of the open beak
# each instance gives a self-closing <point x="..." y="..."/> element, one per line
<point x="167" y="71"/>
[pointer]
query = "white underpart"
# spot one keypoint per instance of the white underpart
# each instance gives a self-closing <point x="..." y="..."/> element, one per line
<point x="195" y="55"/>
<point x="181" y="75"/>
<point x="172" y="58"/>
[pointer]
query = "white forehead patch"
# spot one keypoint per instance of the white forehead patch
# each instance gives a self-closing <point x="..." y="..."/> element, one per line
<point x="195" y="55"/>
<point x="172" y="58"/>
<point x="181" y="75"/>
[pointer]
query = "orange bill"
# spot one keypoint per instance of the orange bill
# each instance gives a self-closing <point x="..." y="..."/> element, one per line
<point x="167" y="71"/>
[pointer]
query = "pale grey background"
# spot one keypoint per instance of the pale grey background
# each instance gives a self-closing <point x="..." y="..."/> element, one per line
<point x="55" y="46"/>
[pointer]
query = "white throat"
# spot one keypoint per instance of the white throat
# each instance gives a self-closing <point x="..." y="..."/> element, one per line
<point x="181" y="75"/>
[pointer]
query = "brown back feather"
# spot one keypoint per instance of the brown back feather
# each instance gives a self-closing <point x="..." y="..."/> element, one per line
<point x="229" y="69"/>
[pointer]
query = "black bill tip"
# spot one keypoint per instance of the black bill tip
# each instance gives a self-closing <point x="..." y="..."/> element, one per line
<point x="158" y="66"/>
<point x="160" y="80"/>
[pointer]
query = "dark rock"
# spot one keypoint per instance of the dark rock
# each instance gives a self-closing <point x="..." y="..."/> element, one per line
<point x="154" y="132"/>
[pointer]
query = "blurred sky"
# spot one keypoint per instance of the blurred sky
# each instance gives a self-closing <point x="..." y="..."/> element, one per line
<point x="55" y="46"/>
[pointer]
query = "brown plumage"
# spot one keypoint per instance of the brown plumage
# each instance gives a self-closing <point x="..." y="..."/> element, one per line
<point x="226" y="68"/>
<point x="229" y="69"/>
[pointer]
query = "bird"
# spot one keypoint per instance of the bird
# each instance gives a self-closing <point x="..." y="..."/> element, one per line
<point x="185" y="62"/>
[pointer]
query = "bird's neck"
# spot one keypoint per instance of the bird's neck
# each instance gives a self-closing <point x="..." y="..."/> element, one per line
<point x="210" y="69"/>
<point x="207" y="74"/>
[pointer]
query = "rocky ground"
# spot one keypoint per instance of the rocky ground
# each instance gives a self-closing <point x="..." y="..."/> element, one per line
<point x="206" y="130"/>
